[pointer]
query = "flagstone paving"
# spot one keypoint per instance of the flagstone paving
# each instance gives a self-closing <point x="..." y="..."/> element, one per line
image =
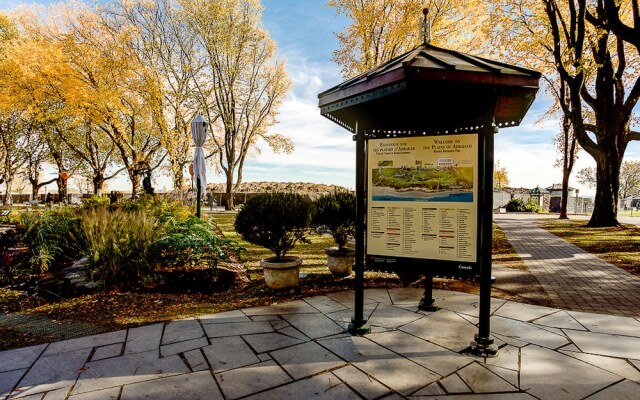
<point x="572" y="278"/>
<point x="299" y="350"/>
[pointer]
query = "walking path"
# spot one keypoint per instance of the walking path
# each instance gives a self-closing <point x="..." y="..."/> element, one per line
<point x="298" y="350"/>
<point x="573" y="278"/>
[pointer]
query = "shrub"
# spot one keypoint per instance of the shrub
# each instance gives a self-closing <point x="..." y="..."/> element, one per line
<point x="118" y="246"/>
<point x="276" y="221"/>
<point x="10" y="256"/>
<point x="335" y="214"/>
<point x="158" y="207"/>
<point x="515" y="205"/>
<point x="53" y="237"/>
<point x="190" y="242"/>
<point x="518" y="205"/>
<point x="532" y="206"/>
<point x="94" y="201"/>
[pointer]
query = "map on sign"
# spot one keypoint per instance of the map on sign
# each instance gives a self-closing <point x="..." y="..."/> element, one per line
<point x="424" y="182"/>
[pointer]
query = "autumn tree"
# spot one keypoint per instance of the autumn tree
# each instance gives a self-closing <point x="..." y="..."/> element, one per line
<point x="629" y="178"/>
<point x="12" y="129"/>
<point x="383" y="29"/>
<point x="12" y="156"/>
<point x="518" y="32"/>
<point x="600" y="73"/>
<point x="36" y="153"/>
<point x="500" y="177"/>
<point x="166" y="42"/>
<point x="248" y="81"/>
<point x="115" y="89"/>
<point x="45" y="85"/>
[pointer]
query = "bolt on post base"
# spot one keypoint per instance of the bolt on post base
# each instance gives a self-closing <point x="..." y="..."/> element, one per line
<point x="428" y="304"/>
<point x="359" y="329"/>
<point x="483" y="347"/>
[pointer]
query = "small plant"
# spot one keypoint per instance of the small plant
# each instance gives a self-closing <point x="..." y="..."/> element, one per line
<point x="160" y="208"/>
<point x="10" y="256"/>
<point x="53" y="238"/>
<point x="276" y="221"/>
<point x="335" y="214"/>
<point x="518" y="205"/>
<point x="189" y="242"/>
<point x="533" y="207"/>
<point x="515" y="205"/>
<point x="118" y="246"/>
<point x="94" y="202"/>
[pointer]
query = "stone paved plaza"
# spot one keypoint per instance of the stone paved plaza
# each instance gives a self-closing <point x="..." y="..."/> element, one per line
<point x="299" y="350"/>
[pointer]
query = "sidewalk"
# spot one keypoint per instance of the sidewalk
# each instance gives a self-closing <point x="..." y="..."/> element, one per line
<point x="573" y="279"/>
<point x="298" y="350"/>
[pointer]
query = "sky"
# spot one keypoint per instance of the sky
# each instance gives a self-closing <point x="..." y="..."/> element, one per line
<point x="324" y="152"/>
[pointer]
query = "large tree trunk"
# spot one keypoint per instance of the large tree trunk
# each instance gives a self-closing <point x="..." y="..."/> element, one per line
<point x="606" y="202"/>
<point x="62" y="190"/>
<point x="135" y="183"/>
<point x="98" y="184"/>
<point x="8" y="200"/>
<point x="229" y="191"/>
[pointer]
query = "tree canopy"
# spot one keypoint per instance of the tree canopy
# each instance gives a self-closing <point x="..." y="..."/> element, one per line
<point x="114" y="87"/>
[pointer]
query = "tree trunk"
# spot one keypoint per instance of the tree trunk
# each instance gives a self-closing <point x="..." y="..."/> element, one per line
<point x="62" y="190"/>
<point x="565" y="194"/>
<point x="606" y="202"/>
<point x="178" y="179"/>
<point x="135" y="184"/>
<point x="98" y="184"/>
<point x="35" y="188"/>
<point x="568" y="159"/>
<point x="8" y="200"/>
<point x="229" y="191"/>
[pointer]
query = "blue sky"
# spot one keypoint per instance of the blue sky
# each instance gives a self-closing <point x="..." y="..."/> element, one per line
<point x="324" y="152"/>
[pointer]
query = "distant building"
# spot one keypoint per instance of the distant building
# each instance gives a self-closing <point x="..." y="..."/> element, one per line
<point x="555" y="198"/>
<point x="629" y="202"/>
<point x="548" y="198"/>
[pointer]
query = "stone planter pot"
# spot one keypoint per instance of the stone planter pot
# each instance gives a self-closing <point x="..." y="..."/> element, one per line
<point x="283" y="274"/>
<point x="340" y="262"/>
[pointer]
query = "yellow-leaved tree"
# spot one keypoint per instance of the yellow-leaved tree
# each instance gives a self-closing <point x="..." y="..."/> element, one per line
<point x="116" y="91"/>
<point x="166" y="42"/>
<point x="248" y="81"/>
<point x="383" y="29"/>
<point x="587" y="51"/>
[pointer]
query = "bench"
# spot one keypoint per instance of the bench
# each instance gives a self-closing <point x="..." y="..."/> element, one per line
<point x="4" y="215"/>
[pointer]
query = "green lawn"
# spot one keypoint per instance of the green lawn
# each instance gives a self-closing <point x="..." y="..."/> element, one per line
<point x="312" y="254"/>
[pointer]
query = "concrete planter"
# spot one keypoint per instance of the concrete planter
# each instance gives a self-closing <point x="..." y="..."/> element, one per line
<point x="340" y="262"/>
<point x="281" y="274"/>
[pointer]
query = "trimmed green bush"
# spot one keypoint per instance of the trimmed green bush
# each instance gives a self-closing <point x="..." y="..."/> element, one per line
<point x="335" y="214"/>
<point x="276" y="221"/>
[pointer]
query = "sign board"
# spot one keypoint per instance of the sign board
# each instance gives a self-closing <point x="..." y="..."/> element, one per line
<point x="422" y="208"/>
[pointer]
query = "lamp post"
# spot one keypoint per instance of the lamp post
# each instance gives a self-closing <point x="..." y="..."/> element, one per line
<point x="199" y="134"/>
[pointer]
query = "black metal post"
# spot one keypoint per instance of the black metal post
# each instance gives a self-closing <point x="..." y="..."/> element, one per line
<point x="483" y="345"/>
<point x="358" y="325"/>
<point x="427" y="302"/>
<point x="198" y="197"/>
